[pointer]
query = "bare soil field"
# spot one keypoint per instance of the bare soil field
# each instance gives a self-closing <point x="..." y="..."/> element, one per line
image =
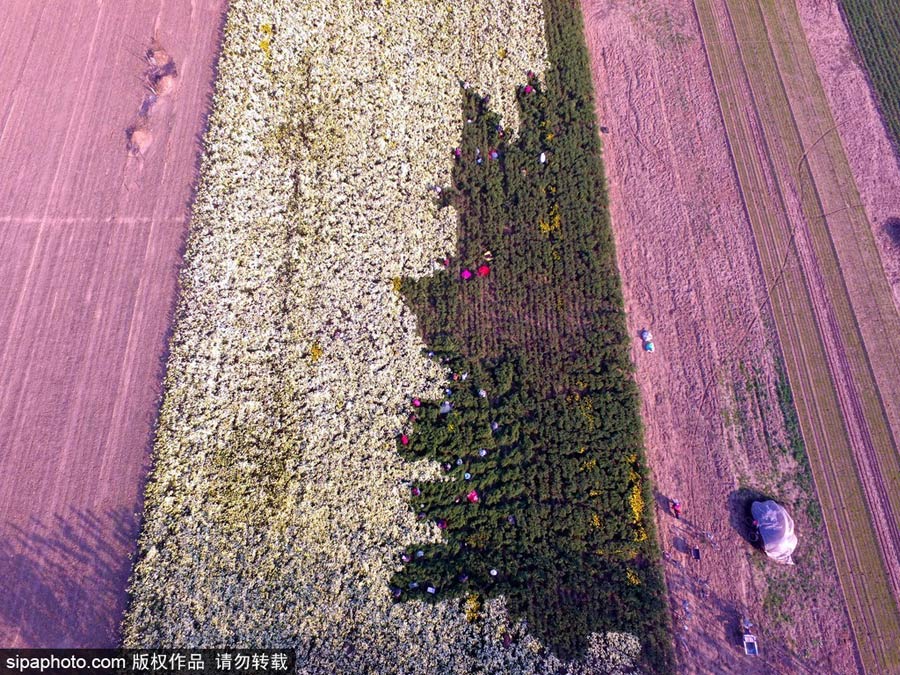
<point x="101" y="110"/>
<point x="719" y="424"/>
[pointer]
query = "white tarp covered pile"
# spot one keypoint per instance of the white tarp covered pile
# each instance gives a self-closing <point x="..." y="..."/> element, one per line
<point x="776" y="528"/>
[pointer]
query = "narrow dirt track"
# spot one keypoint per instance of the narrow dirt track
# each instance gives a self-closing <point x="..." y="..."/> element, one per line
<point x="691" y="272"/>
<point x="833" y="306"/>
<point x="91" y="236"/>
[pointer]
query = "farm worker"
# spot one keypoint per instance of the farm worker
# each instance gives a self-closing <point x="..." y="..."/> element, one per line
<point x="466" y="274"/>
<point x="528" y="89"/>
<point x="543" y="158"/>
<point x="416" y="492"/>
<point x="482" y="452"/>
<point x="484" y="270"/>
<point x="676" y="508"/>
<point x="416" y="402"/>
<point x="472" y="497"/>
<point x="442" y="524"/>
<point x="404" y="439"/>
<point x="493" y="154"/>
<point x="482" y="393"/>
<point x="457" y="152"/>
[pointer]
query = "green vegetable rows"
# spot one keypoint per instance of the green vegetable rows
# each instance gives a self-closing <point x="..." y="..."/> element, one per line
<point x="546" y="497"/>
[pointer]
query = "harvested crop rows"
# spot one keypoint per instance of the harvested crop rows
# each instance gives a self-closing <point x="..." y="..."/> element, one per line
<point x="833" y="307"/>
<point x="867" y="140"/>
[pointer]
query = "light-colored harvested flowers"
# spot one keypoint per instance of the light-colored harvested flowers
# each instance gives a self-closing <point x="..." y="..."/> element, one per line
<point x="277" y="507"/>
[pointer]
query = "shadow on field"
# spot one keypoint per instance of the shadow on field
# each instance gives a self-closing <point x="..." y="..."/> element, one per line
<point x="892" y="228"/>
<point x="61" y="579"/>
<point x="741" y="518"/>
<point x="663" y="502"/>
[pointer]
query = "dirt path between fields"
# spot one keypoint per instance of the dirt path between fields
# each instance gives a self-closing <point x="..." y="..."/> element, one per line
<point x="97" y="174"/>
<point x="715" y="426"/>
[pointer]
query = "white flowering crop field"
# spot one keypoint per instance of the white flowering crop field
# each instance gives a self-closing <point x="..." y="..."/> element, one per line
<point x="277" y="509"/>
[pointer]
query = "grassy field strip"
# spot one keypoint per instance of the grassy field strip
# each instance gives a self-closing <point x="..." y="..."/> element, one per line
<point x="859" y="299"/>
<point x="863" y="576"/>
<point x="870" y="435"/>
<point x="849" y="233"/>
<point x="866" y="421"/>
<point x="857" y="387"/>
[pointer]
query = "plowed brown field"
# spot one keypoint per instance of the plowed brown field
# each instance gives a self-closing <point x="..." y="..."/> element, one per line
<point x="90" y="235"/>
<point x="740" y="228"/>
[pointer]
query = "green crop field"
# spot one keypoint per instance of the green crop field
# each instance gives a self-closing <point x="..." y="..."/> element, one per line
<point x="539" y="433"/>
<point x="875" y="26"/>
